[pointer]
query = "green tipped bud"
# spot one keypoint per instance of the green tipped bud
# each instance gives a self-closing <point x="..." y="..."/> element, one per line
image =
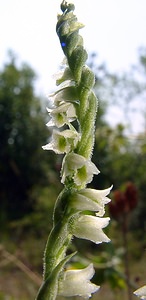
<point x="65" y="18"/>
<point x="67" y="6"/>
<point x="77" y="60"/>
<point x="87" y="78"/>
<point x="72" y="41"/>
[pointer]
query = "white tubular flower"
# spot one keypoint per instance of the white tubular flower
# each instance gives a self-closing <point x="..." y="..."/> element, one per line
<point x="77" y="283"/>
<point x="141" y="292"/>
<point x="90" y="199"/>
<point x="63" y="142"/>
<point x="66" y="94"/>
<point x="90" y="228"/>
<point x="63" y="76"/>
<point x="79" y="167"/>
<point x="63" y="114"/>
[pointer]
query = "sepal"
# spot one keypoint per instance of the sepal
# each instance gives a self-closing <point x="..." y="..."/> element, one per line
<point x="77" y="61"/>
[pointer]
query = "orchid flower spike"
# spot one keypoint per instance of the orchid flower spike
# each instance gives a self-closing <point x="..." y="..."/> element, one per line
<point x="79" y="210"/>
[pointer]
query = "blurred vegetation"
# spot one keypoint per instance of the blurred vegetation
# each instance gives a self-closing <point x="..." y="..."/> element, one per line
<point x="30" y="181"/>
<point x="26" y="171"/>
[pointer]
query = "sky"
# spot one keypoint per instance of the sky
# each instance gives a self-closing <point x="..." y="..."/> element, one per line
<point x="114" y="29"/>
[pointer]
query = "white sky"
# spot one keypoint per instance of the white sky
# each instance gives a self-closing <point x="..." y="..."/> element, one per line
<point x="115" y="29"/>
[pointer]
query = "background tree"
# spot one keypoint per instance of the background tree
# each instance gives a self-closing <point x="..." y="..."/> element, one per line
<point x="122" y="154"/>
<point x="24" y="167"/>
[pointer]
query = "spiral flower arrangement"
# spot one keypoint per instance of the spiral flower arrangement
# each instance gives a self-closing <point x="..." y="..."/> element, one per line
<point x="73" y="115"/>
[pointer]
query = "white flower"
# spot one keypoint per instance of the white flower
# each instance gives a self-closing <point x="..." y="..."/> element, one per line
<point x="66" y="94"/>
<point x="63" y="142"/>
<point x="90" y="199"/>
<point x="62" y="114"/>
<point x="90" y="228"/>
<point x="141" y="292"/>
<point x="78" y="167"/>
<point x="63" y="75"/>
<point x="77" y="283"/>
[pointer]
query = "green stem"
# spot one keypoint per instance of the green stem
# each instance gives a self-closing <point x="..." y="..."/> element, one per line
<point x="86" y="143"/>
<point x="60" y="236"/>
<point x="124" y="227"/>
<point x="56" y="247"/>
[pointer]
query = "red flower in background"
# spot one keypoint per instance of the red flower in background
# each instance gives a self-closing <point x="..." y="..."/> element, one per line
<point x="123" y="202"/>
<point x="131" y="195"/>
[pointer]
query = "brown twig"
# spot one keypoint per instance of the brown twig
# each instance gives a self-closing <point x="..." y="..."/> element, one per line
<point x="8" y="257"/>
<point x="124" y="227"/>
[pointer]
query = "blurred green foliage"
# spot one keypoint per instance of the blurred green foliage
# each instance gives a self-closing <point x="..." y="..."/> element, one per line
<point x="27" y="172"/>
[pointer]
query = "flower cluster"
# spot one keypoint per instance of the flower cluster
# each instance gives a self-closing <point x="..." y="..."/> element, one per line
<point x="72" y="115"/>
